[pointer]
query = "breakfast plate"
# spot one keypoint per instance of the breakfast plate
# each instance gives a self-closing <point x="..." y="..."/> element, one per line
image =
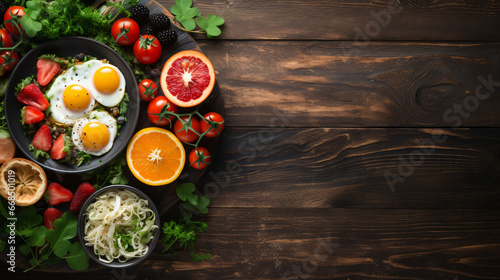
<point x="70" y="47"/>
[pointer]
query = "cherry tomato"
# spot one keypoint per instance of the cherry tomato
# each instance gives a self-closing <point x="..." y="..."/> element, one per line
<point x="6" y="40"/>
<point x="148" y="89"/>
<point x="157" y="110"/>
<point x="184" y="129"/>
<point x="199" y="158"/>
<point x="13" y="13"/>
<point x="147" y="49"/>
<point x="125" y="31"/>
<point x="218" y="124"/>
<point x="8" y="60"/>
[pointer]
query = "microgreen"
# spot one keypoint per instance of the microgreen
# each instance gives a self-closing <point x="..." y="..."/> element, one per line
<point x="185" y="14"/>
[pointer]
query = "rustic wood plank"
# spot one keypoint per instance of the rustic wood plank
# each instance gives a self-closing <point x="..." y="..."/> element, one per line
<point x="386" y="85"/>
<point x="345" y="168"/>
<point x="359" y="20"/>
<point x="258" y="243"/>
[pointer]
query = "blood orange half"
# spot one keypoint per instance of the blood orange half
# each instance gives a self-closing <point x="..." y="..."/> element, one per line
<point x="187" y="78"/>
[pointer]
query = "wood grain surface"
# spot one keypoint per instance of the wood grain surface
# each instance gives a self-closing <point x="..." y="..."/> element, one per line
<point x="350" y="151"/>
<point x="359" y="21"/>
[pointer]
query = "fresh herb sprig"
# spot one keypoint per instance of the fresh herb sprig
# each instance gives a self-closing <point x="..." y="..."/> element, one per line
<point x="182" y="234"/>
<point x="185" y="14"/>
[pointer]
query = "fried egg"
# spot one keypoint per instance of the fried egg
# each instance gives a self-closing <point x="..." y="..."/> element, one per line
<point x="107" y="83"/>
<point x="75" y="93"/>
<point x="95" y="134"/>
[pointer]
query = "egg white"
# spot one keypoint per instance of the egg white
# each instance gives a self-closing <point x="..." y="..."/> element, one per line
<point x="111" y="99"/>
<point x="95" y="116"/>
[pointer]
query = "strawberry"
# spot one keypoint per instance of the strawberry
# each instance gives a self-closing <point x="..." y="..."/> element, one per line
<point x="31" y="115"/>
<point x="43" y="139"/>
<point x="82" y="193"/>
<point x="46" y="70"/>
<point x="56" y="194"/>
<point x="33" y="96"/>
<point x="57" y="152"/>
<point x="49" y="216"/>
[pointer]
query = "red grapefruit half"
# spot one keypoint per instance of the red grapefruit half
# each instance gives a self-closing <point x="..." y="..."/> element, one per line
<point x="187" y="78"/>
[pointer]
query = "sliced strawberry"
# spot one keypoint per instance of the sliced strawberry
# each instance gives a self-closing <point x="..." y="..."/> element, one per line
<point x="57" y="152"/>
<point x="56" y="194"/>
<point x="46" y="70"/>
<point x="31" y="115"/>
<point x="82" y="193"/>
<point x="49" y="216"/>
<point x="43" y="139"/>
<point x="33" y="96"/>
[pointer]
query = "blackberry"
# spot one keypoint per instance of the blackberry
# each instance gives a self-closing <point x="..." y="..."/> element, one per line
<point x="159" y="21"/>
<point x="167" y="37"/>
<point x="150" y="30"/>
<point x="140" y="14"/>
<point x="3" y="8"/>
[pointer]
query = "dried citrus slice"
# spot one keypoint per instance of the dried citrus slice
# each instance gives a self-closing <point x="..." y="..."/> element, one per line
<point x="24" y="179"/>
<point x="187" y="78"/>
<point x="155" y="156"/>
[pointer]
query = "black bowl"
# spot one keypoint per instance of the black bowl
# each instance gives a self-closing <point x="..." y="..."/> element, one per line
<point x="81" y="227"/>
<point x="69" y="47"/>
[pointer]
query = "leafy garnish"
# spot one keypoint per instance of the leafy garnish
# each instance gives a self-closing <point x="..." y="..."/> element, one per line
<point x="185" y="14"/>
<point x="64" y="230"/>
<point x="26" y="81"/>
<point x="77" y="258"/>
<point x="4" y="132"/>
<point x="39" y="154"/>
<point x="53" y="57"/>
<point x="59" y="246"/>
<point x="191" y="200"/>
<point x="112" y="174"/>
<point x="30" y="21"/>
<point x="83" y="157"/>
<point x="124" y="104"/>
<point x="181" y="234"/>
<point x="210" y="26"/>
<point x="195" y="257"/>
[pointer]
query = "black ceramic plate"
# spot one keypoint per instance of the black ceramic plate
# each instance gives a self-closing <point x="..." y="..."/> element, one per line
<point x="68" y="47"/>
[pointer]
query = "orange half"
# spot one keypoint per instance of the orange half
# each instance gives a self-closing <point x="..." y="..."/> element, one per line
<point x="155" y="156"/>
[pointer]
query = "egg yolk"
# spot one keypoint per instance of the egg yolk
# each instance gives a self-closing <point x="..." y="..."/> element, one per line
<point x="106" y="80"/>
<point x="76" y="98"/>
<point x="95" y="136"/>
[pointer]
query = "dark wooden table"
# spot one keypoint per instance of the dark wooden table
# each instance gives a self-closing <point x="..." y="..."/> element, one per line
<point x="362" y="142"/>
